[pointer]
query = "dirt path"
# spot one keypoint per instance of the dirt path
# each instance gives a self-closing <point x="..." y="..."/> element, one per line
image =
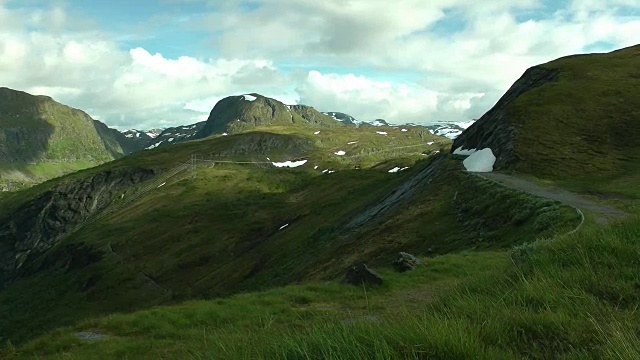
<point x="603" y="213"/>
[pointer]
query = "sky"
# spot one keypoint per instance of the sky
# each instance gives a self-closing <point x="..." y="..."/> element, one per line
<point x="157" y="63"/>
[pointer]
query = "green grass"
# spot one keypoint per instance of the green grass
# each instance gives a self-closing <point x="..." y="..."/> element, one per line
<point x="565" y="297"/>
<point x="217" y="234"/>
<point x="583" y="124"/>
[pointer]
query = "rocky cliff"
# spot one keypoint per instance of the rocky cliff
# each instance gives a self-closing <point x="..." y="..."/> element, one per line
<point x="36" y="226"/>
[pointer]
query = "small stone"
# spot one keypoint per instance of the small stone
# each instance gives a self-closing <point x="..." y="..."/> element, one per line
<point x="406" y="261"/>
<point x="359" y="274"/>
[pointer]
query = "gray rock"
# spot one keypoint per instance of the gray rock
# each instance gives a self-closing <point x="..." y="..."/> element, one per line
<point x="90" y="336"/>
<point x="359" y="274"/>
<point x="406" y="261"/>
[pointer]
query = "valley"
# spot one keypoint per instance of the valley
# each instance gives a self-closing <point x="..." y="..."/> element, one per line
<point x="235" y="240"/>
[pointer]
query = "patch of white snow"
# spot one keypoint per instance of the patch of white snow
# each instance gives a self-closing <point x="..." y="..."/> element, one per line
<point x="404" y="130"/>
<point x="224" y="134"/>
<point x="480" y="161"/>
<point x="290" y="164"/>
<point x="352" y="142"/>
<point x="161" y="185"/>
<point x="394" y="170"/>
<point x="283" y="226"/>
<point x="316" y="133"/>
<point x="249" y="97"/>
<point x="339" y="152"/>
<point x="381" y="133"/>
<point x="430" y="143"/>
<point x="170" y="139"/>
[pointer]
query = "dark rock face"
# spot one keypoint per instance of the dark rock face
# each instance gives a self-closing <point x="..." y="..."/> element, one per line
<point x="493" y="130"/>
<point x="406" y="262"/>
<point x="361" y="273"/>
<point x="36" y="226"/>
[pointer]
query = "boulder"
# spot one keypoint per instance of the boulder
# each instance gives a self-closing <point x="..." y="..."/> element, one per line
<point x="358" y="274"/>
<point x="406" y="261"/>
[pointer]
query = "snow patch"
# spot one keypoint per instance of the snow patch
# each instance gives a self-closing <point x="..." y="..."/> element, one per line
<point x="154" y="145"/>
<point x="290" y="164"/>
<point x="224" y="134"/>
<point x="283" y="226"/>
<point x="381" y="133"/>
<point x="480" y="161"/>
<point x="171" y="139"/>
<point x="316" y="133"/>
<point x="315" y="167"/>
<point x="161" y="185"/>
<point x="352" y="142"/>
<point x="404" y="130"/>
<point x="249" y="97"/>
<point x="461" y="151"/>
<point x="396" y="169"/>
<point x="339" y="152"/>
<point x="430" y="143"/>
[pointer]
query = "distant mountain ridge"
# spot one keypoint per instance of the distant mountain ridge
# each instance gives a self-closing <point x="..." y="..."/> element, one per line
<point x="41" y="138"/>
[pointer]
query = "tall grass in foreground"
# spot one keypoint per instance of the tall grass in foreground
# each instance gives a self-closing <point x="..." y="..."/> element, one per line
<point x="573" y="297"/>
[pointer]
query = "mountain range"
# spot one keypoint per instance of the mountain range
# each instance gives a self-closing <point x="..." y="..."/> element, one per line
<point x="278" y="231"/>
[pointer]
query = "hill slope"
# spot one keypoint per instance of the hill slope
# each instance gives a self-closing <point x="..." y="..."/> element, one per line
<point x="41" y="139"/>
<point x="238" y="227"/>
<point x="575" y="116"/>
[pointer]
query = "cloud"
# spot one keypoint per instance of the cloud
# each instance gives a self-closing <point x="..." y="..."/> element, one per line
<point x="462" y="54"/>
<point x="370" y="99"/>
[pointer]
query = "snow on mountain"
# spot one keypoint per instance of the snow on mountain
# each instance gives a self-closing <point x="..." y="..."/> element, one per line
<point x="175" y="135"/>
<point x="449" y="130"/>
<point x="343" y="118"/>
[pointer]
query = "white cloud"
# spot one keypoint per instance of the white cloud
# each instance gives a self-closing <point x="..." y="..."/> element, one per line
<point x="461" y="72"/>
<point x="370" y="99"/>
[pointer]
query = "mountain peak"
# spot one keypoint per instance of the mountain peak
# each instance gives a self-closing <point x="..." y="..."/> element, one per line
<point x="243" y="112"/>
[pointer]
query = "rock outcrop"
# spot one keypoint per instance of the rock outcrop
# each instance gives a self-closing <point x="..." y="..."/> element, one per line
<point x="405" y="262"/>
<point x="361" y="273"/>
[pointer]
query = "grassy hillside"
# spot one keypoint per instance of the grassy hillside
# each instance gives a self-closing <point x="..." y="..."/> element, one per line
<point x="585" y="122"/>
<point x="571" y="297"/>
<point x="569" y="118"/>
<point x="41" y="139"/>
<point x="219" y="230"/>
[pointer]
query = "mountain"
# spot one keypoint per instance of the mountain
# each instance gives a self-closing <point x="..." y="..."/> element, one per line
<point x="575" y="116"/>
<point x="293" y="240"/>
<point x="449" y="130"/>
<point x="343" y="118"/>
<point x="235" y="114"/>
<point x="41" y="139"/>
<point x="141" y="137"/>
<point x="174" y="135"/>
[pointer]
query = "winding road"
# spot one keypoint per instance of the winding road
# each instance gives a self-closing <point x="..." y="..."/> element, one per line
<point x="602" y="213"/>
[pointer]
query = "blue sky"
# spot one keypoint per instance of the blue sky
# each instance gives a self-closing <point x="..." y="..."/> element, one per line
<point x="148" y="63"/>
